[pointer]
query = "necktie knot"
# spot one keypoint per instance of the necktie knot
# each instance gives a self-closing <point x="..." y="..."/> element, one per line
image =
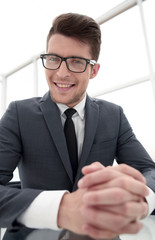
<point x="70" y="112"/>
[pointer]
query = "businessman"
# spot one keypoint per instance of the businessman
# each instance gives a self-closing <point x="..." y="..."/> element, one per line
<point x="78" y="189"/>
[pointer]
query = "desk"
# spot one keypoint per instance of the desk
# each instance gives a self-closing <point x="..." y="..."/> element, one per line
<point x="147" y="233"/>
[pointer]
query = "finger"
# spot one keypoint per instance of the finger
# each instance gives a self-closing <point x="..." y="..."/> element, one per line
<point x="111" y="196"/>
<point x="132" y="228"/>
<point x="97" y="177"/>
<point x="103" y="219"/>
<point x="123" y="168"/>
<point x="92" y="167"/>
<point x="105" y="174"/>
<point x="134" y="210"/>
<point x="97" y="233"/>
<point x="130" y="184"/>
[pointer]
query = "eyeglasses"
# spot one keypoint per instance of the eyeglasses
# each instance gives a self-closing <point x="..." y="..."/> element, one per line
<point x="74" y="64"/>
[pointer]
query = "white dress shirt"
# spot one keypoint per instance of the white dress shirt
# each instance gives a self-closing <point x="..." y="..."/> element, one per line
<point x="43" y="211"/>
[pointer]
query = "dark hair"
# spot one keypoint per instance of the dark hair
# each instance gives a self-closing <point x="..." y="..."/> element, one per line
<point x="81" y="27"/>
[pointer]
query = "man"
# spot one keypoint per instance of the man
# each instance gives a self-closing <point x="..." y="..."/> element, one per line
<point x="108" y="200"/>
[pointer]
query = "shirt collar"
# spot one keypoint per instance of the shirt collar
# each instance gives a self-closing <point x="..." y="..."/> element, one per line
<point x="80" y="108"/>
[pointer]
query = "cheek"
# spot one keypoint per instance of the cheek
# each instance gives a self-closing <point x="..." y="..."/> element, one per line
<point x="84" y="83"/>
<point x="47" y="72"/>
<point x="48" y="75"/>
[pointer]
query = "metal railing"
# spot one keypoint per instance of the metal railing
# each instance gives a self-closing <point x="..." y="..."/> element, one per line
<point x="124" y="6"/>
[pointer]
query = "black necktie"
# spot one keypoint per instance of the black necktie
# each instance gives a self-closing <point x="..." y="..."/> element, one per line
<point x="70" y="135"/>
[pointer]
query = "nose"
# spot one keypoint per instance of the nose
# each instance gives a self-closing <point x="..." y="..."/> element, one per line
<point x="63" y="71"/>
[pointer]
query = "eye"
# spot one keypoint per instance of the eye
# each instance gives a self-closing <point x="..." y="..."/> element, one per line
<point x="77" y="61"/>
<point x="53" y="59"/>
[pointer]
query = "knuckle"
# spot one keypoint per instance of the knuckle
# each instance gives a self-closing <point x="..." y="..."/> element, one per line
<point x="126" y="209"/>
<point x="98" y="164"/>
<point x="123" y="167"/>
<point x="118" y="195"/>
<point x="90" y="214"/>
<point x="93" y="215"/>
<point x="136" y="228"/>
<point x="108" y="172"/>
<point x="125" y="183"/>
<point x="88" y="179"/>
<point x="109" y="167"/>
<point x="95" y="197"/>
<point x="118" y="222"/>
<point x="122" y="182"/>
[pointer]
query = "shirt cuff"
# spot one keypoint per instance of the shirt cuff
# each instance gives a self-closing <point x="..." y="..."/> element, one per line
<point x="43" y="211"/>
<point x="151" y="201"/>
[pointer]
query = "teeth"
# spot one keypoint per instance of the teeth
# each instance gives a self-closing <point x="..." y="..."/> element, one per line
<point x="63" y="85"/>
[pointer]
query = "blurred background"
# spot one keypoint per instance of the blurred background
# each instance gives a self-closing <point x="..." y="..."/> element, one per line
<point x="127" y="74"/>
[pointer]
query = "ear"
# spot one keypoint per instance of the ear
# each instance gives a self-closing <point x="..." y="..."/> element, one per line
<point x="95" y="70"/>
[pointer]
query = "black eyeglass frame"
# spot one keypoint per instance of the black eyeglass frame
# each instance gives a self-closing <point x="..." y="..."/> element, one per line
<point x="88" y="61"/>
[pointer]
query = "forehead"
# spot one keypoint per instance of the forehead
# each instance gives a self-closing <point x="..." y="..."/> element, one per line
<point x="68" y="46"/>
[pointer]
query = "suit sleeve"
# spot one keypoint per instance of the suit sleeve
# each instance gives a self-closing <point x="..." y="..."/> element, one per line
<point x="13" y="201"/>
<point x="130" y="151"/>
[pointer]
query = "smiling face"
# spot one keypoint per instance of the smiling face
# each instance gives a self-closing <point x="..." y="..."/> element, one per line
<point x="65" y="86"/>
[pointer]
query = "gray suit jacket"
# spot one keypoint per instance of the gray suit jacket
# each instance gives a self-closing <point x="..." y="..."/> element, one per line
<point x="32" y="138"/>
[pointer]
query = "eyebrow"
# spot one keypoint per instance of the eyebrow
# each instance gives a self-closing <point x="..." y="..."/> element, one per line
<point x="65" y="57"/>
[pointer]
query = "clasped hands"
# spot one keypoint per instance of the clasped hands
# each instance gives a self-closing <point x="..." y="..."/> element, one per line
<point x="109" y="201"/>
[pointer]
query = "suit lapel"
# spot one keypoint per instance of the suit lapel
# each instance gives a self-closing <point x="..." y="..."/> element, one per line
<point x="91" y="122"/>
<point x="52" y="117"/>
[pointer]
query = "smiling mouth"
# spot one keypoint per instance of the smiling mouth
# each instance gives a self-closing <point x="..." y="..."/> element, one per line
<point x="62" y="85"/>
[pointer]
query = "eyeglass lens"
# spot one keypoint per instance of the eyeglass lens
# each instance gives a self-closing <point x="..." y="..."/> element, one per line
<point x="73" y="63"/>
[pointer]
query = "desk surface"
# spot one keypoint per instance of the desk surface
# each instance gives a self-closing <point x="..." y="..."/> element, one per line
<point x="147" y="233"/>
